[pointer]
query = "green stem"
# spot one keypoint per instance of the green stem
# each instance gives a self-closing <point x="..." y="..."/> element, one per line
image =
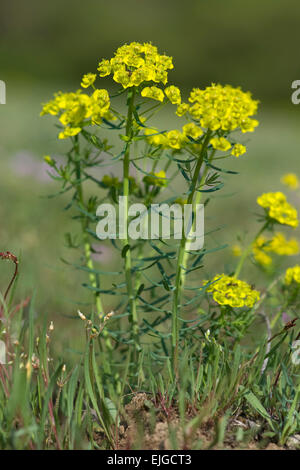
<point x="84" y="226"/>
<point x="197" y="200"/>
<point x="181" y="253"/>
<point x="128" y="264"/>
<point x="248" y="251"/>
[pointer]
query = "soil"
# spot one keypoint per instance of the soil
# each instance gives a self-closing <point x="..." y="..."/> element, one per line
<point x="149" y="425"/>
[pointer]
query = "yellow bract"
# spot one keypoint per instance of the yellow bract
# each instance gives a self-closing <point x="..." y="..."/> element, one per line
<point x="153" y="92"/>
<point x="191" y="130"/>
<point x="173" y="94"/>
<point x="220" y="143"/>
<point x="227" y="290"/>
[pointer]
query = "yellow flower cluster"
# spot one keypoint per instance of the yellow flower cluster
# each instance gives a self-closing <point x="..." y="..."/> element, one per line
<point x="292" y="275"/>
<point x="278" y="245"/>
<point x="75" y="110"/>
<point x="220" y="143"/>
<point x="259" y="249"/>
<point x="227" y="290"/>
<point x="88" y="79"/>
<point x="283" y="247"/>
<point x="278" y="208"/>
<point x="238" y="150"/>
<point x="221" y="107"/>
<point x="135" y="63"/>
<point x="174" y="139"/>
<point x="291" y="180"/>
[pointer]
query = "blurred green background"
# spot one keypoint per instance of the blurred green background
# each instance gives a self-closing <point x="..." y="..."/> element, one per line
<point x="47" y="46"/>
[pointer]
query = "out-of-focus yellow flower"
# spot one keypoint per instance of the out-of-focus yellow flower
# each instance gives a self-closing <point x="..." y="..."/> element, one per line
<point x="292" y="275"/>
<point x="153" y="92"/>
<point x="88" y="80"/>
<point x="173" y="94"/>
<point x="238" y="150"/>
<point x="278" y="244"/>
<point x="220" y="143"/>
<point x="49" y="160"/>
<point x="291" y="180"/>
<point x="281" y="246"/>
<point x="155" y="138"/>
<point x="180" y="201"/>
<point x="278" y="208"/>
<point x="236" y="250"/>
<point x="259" y="251"/>
<point x="227" y="290"/>
<point x="156" y="179"/>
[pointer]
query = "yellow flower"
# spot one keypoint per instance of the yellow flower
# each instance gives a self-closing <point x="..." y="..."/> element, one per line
<point x="154" y="138"/>
<point x="259" y="247"/>
<point x="69" y="132"/>
<point x="238" y="150"/>
<point x="156" y="179"/>
<point x="175" y="139"/>
<point x="104" y="68"/>
<point x="182" y="109"/>
<point x="279" y="209"/>
<point x="278" y="244"/>
<point x="227" y="290"/>
<point x="223" y="107"/>
<point x="292" y="275"/>
<point x="290" y="180"/>
<point x="122" y="76"/>
<point x="173" y="94"/>
<point x="88" y="80"/>
<point x="153" y="92"/>
<point x="192" y="130"/>
<point x="220" y="143"/>
<point x="49" y="160"/>
<point x="236" y="250"/>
